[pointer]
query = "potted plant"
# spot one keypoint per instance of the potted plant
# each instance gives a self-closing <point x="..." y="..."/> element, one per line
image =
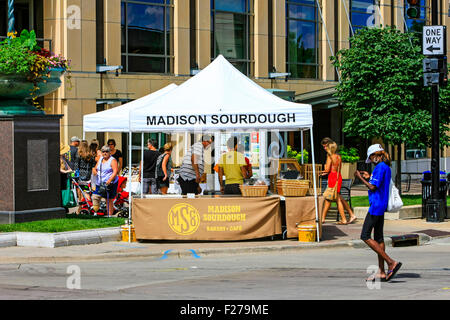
<point x="26" y="73"/>
<point x="349" y="159"/>
<point x="297" y="155"/>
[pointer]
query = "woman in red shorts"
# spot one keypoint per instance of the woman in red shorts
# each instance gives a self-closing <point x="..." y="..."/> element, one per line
<point x="332" y="167"/>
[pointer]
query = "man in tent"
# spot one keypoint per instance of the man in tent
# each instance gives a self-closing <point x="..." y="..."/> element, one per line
<point x="233" y="165"/>
<point x="193" y="164"/>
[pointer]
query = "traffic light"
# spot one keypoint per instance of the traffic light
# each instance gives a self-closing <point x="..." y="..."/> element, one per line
<point x="413" y="11"/>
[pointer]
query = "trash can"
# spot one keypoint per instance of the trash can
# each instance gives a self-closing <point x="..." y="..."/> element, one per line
<point x="426" y="191"/>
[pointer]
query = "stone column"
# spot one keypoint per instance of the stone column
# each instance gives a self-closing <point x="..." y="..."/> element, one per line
<point x="261" y="39"/>
<point x="279" y="36"/>
<point x="328" y="13"/>
<point x="181" y="37"/>
<point x="203" y="33"/>
<point x="112" y="16"/>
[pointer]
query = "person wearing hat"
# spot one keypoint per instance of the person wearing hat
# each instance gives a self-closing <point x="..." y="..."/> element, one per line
<point x="74" y="144"/>
<point x="378" y="186"/>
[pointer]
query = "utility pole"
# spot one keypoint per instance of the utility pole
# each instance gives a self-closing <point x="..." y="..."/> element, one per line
<point x="435" y="74"/>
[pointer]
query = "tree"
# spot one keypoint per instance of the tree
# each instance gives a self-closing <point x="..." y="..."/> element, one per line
<point x="382" y="90"/>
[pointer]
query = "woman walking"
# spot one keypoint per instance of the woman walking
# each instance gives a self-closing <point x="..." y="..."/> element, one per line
<point x="106" y="171"/>
<point x="378" y="186"/>
<point x="84" y="163"/>
<point x="333" y="170"/>
<point x="164" y="168"/>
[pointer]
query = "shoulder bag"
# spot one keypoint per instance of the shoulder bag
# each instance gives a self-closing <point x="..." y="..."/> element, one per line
<point x="331" y="194"/>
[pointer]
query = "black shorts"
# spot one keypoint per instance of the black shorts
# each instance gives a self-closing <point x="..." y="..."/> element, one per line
<point x="188" y="186"/>
<point x="162" y="184"/>
<point x="232" y="189"/>
<point x="375" y="223"/>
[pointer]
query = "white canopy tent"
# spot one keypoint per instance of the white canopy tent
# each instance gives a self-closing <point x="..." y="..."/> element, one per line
<point x="220" y="98"/>
<point x="118" y="119"/>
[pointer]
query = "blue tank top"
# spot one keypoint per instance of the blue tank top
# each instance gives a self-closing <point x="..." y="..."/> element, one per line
<point x="105" y="171"/>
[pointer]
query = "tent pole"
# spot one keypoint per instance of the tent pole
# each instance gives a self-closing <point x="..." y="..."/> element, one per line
<point x="217" y="154"/>
<point x="142" y="165"/>
<point x="130" y="142"/>
<point x="301" y="145"/>
<point x="314" y="184"/>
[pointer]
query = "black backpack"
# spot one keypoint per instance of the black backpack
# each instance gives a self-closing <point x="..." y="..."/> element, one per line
<point x="159" y="171"/>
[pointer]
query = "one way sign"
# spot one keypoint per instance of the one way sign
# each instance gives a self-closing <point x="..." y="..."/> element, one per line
<point x="434" y="40"/>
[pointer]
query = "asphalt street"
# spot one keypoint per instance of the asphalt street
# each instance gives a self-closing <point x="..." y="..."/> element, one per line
<point x="338" y="273"/>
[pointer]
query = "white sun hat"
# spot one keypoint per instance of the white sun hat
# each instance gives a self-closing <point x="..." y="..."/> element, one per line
<point x="372" y="149"/>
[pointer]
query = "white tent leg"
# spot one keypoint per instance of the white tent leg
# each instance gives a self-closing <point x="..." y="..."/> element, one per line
<point x="130" y="144"/>
<point x="262" y="154"/>
<point x="142" y="165"/>
<point x="217" y="154"/>
<point x="301" y="145"/>
<point x="314" y="185"/>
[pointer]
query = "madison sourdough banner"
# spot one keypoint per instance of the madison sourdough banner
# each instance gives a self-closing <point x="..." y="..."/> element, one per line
<point x="206" y="218"/>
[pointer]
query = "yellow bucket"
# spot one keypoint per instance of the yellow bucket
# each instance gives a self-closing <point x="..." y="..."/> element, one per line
<point x="125" y="231"/>
<point x="307" y="233"/>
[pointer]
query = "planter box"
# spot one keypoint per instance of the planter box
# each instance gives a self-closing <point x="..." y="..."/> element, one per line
<point x="407" y="212"/>
<point x="348" y="170"/>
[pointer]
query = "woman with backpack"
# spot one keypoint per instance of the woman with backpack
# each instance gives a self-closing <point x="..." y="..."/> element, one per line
<point x="164" y="168"/>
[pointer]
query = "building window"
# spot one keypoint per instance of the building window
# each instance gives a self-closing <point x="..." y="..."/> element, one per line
<point x="362" y="14"/>
<point x="416" y="25"/>
<point x="302" y="38"/>
<point x="146" y="36"/>
<point x="230" y="32"/>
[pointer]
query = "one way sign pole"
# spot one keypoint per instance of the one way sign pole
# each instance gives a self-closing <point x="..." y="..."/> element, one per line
<point x="434" y="46"/>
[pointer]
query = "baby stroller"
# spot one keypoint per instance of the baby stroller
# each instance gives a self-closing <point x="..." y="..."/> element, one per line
<point x="86" y="206"/>
<point x="121" y="201"/>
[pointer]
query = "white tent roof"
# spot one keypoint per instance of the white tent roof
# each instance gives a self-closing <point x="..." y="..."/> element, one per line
<point x="117" y="119"/>
<point x="220" y="97"/>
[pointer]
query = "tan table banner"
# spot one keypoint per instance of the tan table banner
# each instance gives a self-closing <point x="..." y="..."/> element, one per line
<point x="301" y="210"/>
<point x="206" y="218"/>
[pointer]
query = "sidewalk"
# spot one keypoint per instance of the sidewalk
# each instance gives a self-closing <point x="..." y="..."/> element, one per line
<point x="335" y="236"/>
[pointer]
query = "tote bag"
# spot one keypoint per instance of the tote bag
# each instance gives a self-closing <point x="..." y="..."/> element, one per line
<point x="68" y="198"/>
<point x="395" y="202"/>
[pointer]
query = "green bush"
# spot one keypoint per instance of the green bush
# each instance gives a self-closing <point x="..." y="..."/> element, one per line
<point x="297" y="155"/>
<point x="349" y="154"/>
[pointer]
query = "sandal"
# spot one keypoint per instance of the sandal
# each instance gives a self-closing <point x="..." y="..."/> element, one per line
<point x="342" y="223"/>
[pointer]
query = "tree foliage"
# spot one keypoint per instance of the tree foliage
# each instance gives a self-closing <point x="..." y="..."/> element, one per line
<point x="382" y="90"/>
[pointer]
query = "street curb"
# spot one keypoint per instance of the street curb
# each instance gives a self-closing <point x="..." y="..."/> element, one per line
<point x="60" y="239"/>
<point x="181" y="253"/>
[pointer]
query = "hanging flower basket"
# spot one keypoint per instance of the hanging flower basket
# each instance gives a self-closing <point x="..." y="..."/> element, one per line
<point x="26" y="73"/>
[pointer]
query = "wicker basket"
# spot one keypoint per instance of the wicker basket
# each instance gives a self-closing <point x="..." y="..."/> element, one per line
<point x="254" y="191"/>
<point x="292" y="188"/>
<point x="292" y="191"/>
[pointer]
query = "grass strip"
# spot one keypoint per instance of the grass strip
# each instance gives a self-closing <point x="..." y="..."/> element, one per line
<point x="408" y="200"/>
<point x="71" y="222"/>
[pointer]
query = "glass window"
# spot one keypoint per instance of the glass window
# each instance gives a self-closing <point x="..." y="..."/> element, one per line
<point x="230" y="32"/>
<point x="146" y="36"/>
<point x="416" y="25"/>
<point x="362" y="13"/>
<point x="302" y="42"/>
